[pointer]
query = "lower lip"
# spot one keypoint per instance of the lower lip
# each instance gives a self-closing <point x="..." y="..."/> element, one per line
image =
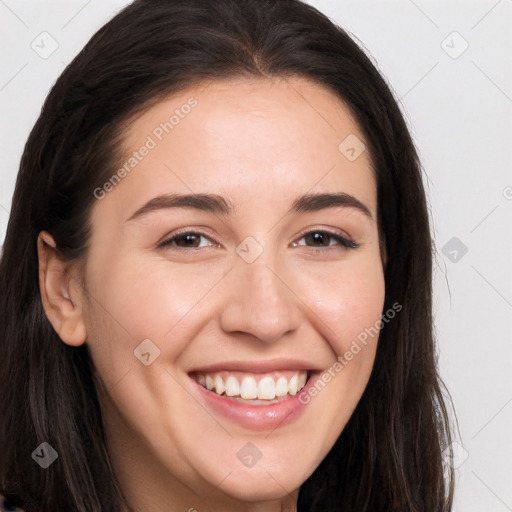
<point x="254" y="417"/>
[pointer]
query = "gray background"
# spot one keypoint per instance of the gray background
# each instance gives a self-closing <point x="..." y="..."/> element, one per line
<point x="458" y="103"/>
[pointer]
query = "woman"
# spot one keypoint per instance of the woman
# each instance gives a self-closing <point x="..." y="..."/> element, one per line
<point x="287" y="361"/>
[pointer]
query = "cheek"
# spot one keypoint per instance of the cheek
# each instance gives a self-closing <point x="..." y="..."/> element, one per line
<point x="347" y="298"/>
<point x="140" y="298"/>
<point x="347" y="303"/>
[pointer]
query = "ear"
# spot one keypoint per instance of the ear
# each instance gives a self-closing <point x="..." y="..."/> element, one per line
<point x="61" y="293"/>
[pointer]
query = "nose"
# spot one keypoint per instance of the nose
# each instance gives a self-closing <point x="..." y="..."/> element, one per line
<point x="260" y="301"/>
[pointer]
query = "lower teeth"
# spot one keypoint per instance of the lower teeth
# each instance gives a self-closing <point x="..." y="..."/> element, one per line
<point x="255" y="401"/>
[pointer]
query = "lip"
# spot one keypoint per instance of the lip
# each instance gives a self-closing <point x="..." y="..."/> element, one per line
<point x="257" y="366"/>
<point x="253" y="417"/>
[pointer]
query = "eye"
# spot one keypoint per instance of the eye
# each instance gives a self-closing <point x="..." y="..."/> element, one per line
<point x="184" y="240"/>
<point x="321" y="240"/>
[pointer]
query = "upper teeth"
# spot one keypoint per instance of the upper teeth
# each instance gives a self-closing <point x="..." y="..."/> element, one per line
<point x="263" y="387"/>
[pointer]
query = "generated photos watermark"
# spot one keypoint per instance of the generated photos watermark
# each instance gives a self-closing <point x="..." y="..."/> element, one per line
<point x="342" y="361"/>
<point x="152" y="140"/>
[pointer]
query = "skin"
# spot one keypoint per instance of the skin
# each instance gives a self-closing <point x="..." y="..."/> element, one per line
<point x="259" y="144"/>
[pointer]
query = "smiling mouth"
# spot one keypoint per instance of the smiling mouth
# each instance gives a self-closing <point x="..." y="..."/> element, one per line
<point x="254" y="388"/>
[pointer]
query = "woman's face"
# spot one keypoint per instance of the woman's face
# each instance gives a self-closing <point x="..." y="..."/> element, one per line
<point x="248" y="291"/>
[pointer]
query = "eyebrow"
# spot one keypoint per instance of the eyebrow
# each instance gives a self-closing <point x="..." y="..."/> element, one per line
<point x="216" y="204"/>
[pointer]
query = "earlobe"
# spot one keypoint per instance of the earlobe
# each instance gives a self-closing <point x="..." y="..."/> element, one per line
<point x="61" y="293"/>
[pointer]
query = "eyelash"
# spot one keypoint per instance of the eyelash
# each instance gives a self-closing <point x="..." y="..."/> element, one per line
<point x="344" y="243"/>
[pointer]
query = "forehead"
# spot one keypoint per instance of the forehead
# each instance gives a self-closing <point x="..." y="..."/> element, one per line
<point x="247" y="139"/>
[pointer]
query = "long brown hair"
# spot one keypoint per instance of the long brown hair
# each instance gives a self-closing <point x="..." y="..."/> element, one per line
<point x="389" y="457"/>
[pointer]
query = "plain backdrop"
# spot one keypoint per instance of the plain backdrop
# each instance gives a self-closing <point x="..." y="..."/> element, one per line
<point x="449" y="65"/>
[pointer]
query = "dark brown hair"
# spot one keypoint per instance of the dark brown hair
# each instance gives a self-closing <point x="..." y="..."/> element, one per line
<point x="389" y="456"/>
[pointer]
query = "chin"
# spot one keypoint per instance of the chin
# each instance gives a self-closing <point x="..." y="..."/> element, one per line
<point x="257" y="488"/>
<point x="259" y="484"/>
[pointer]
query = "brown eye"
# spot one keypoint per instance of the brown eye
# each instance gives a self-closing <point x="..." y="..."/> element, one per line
<point x="322" y="240"/>
<point x="185" y="240"/>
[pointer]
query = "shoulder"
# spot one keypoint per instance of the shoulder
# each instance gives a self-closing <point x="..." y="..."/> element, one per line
<point x="7" y="506"/>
